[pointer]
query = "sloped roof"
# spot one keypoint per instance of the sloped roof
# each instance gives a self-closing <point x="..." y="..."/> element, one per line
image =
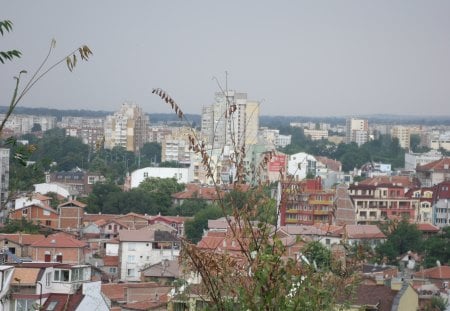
<point x="22" y="238"/>
<point x="438" y="165"/>
<point x="96" y="217"/>
<point x="59" y="240"/>
<point x="196" y="191"/>
<point x="111" y="261"/>
<point x="136" y="235"/>
<point x="373" y="295"/>
<point x="333" y="165"/>
<point x="363" y="232"/>
<point x="147" y="304"/>
<point x="439" y="272"/>
<point x="63" y="302"/>
<point x="167" y="268"/>
<point x="43" y="206"/>
<point x="71" y="203"/>
<point x="25" y="276"/>
<point x="404" y="181"/>
<point x="426" y="227"/>
<point x="116" y="291"/>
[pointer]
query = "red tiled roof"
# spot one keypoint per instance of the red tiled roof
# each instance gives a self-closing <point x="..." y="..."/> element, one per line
<point x="147" y="304"/>
<point x="404" y="181"/>
<point x="114" y="291"/>
<point x="194" y="191"/>
<point x="438" y="165"/>
<point x="59" y="240"/>
<point x="439" y="272"/>
<point x="64" y="302"/>
<point x="426" y="227"/>
<point x="363" y="232"/>
<point x="43" y="206"/>
<point x="26" y="239"/>
<point x="111" y="261"/>
<point x="373" y="295"/>
<point x="333" y="165"/>
<point x="73" y="202"/>
<point x="95" y="217"/>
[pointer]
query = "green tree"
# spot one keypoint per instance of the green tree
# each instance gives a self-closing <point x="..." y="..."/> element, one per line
<point x="97" y="198"/>
<point x="403" y="237"/>
<point x="194" y="228"/>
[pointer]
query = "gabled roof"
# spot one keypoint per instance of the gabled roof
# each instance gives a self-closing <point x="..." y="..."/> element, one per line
<point x="333" y="165"/>
<point x="22" y="238"/>
<point x="60" y="240"/>
<point x="363" y="232"/>
<point x="403" y="181"/>
<point x="96" y="217"/>
<point x="42" y="206"/>
<point x="373" y="295"/>
<point x="136" y="235"/>
<point x="116" y="291"/>
<point x="166" y="268"/>
<point x="436" y="166"/>
<point x="73" y="203"/>
<point x="439" y="272"/>
<point x="102" y="223"/>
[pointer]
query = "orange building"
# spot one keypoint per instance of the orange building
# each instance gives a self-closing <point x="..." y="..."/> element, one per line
<point x="305" y="203"/>
<point x="39" y="214"/>
<point x="59" y="247"/>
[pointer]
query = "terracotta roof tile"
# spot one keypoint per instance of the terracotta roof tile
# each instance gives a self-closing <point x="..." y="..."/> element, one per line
<point x="59" y="240"/>
<point x="22" y="238"/>
<point x="438" y="165"/>
<point x="111" y="260"/>
<point x="63" y="302"/>
<point x="439" y="272"/>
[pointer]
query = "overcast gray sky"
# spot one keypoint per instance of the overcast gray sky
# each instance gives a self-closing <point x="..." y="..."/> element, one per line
<point x="311" y="58"/>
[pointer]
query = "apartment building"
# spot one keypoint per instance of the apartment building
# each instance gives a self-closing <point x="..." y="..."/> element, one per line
<point x="231" y="120"/>
<point x="357" y="130"/>
<point x="403" y="134"/>
<point x="305" y="203"/>
<point x="379" y="202"/>
<point x="4" y="178"/>
<point x="127" y="128"/>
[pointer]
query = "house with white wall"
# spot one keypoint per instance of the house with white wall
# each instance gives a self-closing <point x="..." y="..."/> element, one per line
<point x="181" y="174"/>
<point x="141" y="248"/>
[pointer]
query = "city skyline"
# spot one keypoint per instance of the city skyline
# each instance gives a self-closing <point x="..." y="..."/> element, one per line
<point x="302" y="58"/>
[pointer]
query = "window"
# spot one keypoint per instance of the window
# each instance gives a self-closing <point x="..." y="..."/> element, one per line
<point x="77" y="274"/>
<point x="91" y="180"/>
<point x="61" y="275"/>
<point x="112" y="270"/>
<point x="48" y="278"/>
<point x="131" y="246"/>
<point x="48" y="223"/>
<point x="131" y="259"/>
<point x="131" y="272"/>
<point x="46" y="213"/>
<point x="145" y="174"/>
<point x="25" y="211"/>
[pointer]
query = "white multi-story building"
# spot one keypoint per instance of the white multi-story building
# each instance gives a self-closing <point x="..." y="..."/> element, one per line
<point x="301" y="164"/>
<point x="357" y="130"/>
<point x="412" y="160"/>
<point x="440" y="141"/>
<point x="23" y="124"/>
<point x="126" y="128"/>
<point x="142" y="248"/>
<point x="232" y="120"/>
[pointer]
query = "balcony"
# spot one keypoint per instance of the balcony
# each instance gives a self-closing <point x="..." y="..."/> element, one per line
<point x="321" y="202"/>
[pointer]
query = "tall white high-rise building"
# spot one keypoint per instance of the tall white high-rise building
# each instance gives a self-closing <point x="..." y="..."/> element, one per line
<point x="239" y="128"/>
<point x="127" y="128"/>
<point x="357" y="130"/>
